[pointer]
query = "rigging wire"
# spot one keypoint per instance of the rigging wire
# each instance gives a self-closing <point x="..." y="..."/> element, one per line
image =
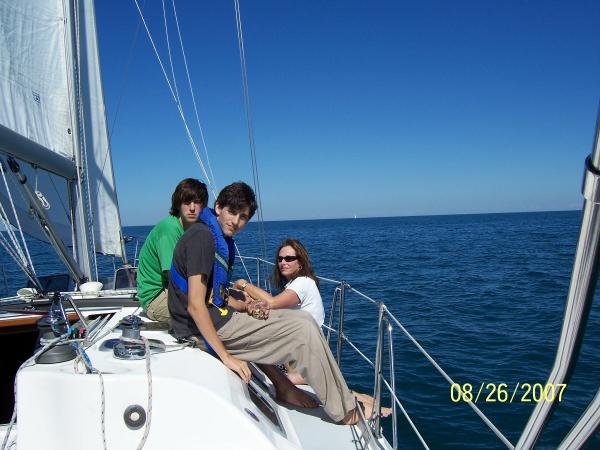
<point x="124" y="85"/>
<point x="191" y="90"/>
<point x="209" y="179"/>
<point x="173" y="78"/>
<point x="110" y="131"/>
<point x="9" y="229"/>
<point x="249" y="122"/>
<point x="193" y="97"/>
<point x="14" y="255"/>
<point x="175" y="95"/>
<point x="26" y="264"/>
<point x="178" y="104"/>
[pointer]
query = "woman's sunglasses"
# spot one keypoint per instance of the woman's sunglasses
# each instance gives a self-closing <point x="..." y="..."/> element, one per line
<point x="287" y="258"/>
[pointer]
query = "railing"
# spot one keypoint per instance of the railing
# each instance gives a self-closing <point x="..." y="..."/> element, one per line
<point x="385" y="326"/>
<point x="5" y="282"/>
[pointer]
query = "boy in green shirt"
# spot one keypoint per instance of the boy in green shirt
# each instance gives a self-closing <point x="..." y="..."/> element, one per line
<point x="187" y="201"/>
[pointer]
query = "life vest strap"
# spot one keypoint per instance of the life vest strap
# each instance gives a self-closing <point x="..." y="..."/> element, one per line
<point x="182" y="284"/>
<point x="179" y="280"/>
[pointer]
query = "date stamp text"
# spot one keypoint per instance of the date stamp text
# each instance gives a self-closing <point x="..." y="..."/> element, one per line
<point x="503" y="393"/>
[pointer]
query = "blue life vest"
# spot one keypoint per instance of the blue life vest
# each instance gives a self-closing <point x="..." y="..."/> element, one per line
<point x="222" y="268"/>
<point x="224" y="258"/>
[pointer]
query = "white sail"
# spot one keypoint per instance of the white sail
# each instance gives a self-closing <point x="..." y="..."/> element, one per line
<point x="52" y="118"/>
<point x="103" y="196"/>
<point x="34" y="85"/>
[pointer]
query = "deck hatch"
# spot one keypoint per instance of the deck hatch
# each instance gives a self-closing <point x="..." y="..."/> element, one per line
<point x="265" y="407"/>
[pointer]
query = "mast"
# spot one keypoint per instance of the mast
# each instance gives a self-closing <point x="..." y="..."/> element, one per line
<point x="79" y="192"/>
<point x="579" y="300"/>
<point x="97" y="222"/>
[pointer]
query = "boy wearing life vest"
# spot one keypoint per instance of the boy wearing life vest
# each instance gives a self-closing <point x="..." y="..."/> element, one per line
<point x="199" y="307"/>
<point x="187" y="201"/>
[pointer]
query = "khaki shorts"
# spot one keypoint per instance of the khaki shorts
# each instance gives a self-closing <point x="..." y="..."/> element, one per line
<point x="158" y="309"/>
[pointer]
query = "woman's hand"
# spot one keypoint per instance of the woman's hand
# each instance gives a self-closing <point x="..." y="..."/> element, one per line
<point x="238" y="366"/>
<point x="258" y="309"/>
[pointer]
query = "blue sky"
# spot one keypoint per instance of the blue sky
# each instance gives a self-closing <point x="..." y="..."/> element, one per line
<point x="378" y="108"/>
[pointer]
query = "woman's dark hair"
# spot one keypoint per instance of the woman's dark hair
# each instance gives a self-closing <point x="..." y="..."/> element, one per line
<point x="188" y="190"/>
<point x="306" y="269"/>
<point x="237" y="196"/>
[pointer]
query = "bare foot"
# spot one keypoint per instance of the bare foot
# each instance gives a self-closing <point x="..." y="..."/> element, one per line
<point x="351" y="418"/>
<point x="367" y="407"/>
<point x="293" y="375"/>
<point x="296" y="378"/>
<point x="296" y="397"/>
<point x="285" y="391"/>
<point x="369" y="402"/>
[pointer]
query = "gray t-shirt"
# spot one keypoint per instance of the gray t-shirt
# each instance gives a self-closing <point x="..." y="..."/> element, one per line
<point x="194" y="255"/>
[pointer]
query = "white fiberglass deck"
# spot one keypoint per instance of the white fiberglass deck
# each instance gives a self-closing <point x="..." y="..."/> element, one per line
<point x="196" y="403"/>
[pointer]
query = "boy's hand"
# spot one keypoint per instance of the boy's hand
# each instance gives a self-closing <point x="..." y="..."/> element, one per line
<point x="238" y="366"/>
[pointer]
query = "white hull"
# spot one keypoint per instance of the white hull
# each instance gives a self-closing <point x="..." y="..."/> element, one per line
<point x="196" y="402"/>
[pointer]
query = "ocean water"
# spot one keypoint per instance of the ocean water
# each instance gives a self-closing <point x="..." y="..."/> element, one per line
<point x="483" y="294"/>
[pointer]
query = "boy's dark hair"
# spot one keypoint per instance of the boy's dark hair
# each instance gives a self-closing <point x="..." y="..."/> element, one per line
<point x="188" y="190"/>
<point x="236" y="196"/>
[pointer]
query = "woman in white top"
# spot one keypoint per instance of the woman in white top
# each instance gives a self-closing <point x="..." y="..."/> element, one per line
<point x="299" y="286"/>
<point x="294" y="277"/>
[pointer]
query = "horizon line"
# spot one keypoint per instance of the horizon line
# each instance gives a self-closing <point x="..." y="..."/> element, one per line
<point x="415" y="215"/>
